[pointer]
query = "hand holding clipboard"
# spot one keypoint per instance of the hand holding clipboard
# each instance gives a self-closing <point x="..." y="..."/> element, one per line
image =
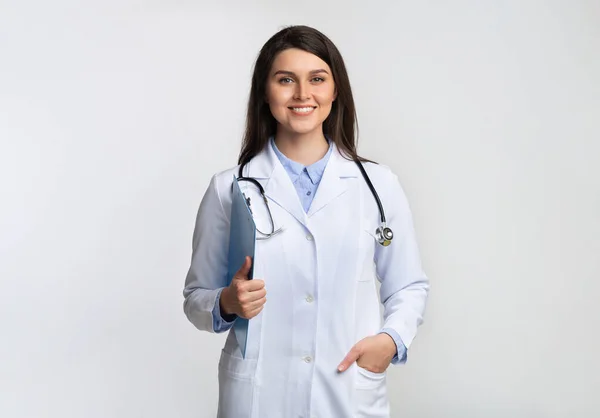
<point x="243" y="297"/>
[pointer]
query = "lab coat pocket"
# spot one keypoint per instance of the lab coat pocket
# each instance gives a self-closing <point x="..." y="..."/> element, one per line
<point x="371" y="396"/>
<point x="236" y="386"/>
<point x="368" y="379"/>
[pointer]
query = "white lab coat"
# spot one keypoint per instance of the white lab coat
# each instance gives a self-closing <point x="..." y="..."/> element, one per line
<point x="320" y="274"/>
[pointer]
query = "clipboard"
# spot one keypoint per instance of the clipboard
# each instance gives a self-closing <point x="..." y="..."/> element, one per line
<point x="242" y="241"/>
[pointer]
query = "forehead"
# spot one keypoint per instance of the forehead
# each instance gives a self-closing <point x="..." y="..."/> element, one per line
<point x="298" y="61"/>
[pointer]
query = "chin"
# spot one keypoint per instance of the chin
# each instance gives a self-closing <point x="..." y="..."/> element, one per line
<point x="300" y="129"/>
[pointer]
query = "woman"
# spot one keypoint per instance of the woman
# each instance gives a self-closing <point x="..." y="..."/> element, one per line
<point x="318" y="346"/>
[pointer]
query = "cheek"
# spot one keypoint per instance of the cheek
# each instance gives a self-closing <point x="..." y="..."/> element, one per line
<point x="326" y="97"/>
<point x="276" y="111"/>
<point x="278" y="96"/>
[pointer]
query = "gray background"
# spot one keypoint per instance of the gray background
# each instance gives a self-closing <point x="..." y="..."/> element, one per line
<point x="114" y="115"/>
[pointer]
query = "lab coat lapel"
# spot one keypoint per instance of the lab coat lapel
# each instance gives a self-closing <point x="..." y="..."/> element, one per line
<point x="278" y="186"/>
<point x="334" y="182"/>
<point x="281" y="190"/>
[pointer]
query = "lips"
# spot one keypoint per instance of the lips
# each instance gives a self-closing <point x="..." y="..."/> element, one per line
<point x="302" y="110"/>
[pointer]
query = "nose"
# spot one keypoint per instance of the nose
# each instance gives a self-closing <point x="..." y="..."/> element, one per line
<point x="302" y="91"/>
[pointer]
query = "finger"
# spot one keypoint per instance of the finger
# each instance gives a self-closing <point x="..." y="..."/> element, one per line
<point x="247" y="287"/>
<point x="242" y="273"/>
<point x="255" y="304"/>
<point x="254" y="312"/>
<point x="350" y="358"/>
<point x="247" y="297"/>
<point x="254" y="285"/>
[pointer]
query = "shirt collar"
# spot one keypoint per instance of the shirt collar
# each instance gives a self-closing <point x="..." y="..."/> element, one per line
<point x="314" y="171"/>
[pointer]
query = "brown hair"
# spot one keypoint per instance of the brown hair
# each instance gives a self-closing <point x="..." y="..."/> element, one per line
<point x="340" y="126"/>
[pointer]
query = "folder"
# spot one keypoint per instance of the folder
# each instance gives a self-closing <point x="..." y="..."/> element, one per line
<point x="242" y="240"/>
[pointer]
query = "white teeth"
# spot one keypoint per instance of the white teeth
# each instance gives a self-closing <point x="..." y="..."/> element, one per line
<point x="302" y="109"/>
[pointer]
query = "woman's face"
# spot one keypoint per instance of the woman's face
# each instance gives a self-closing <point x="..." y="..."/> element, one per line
<point x="300" y="92"/>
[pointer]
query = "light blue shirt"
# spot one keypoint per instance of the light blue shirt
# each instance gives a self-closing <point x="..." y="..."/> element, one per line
<point x="306" y="180"/>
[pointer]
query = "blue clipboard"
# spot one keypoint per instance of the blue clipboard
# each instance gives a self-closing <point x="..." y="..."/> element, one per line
<point x="242" y="240"/>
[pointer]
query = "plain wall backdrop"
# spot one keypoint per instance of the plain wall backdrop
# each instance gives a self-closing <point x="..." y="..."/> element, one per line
<point x="114" y="115"/>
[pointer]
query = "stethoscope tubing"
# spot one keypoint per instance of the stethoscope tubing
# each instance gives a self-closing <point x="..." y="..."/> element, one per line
<point x="382" y="228"/>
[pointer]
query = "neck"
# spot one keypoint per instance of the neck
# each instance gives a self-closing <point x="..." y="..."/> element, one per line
<point x="305" y="149"/>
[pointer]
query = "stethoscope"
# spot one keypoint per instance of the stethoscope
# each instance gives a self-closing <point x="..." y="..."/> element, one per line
<point x="383" y="234"/>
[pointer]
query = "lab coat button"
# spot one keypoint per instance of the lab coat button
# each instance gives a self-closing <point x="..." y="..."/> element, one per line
<point x="307" y="359"/>
<point x="309" y="237"/>
<point x="309" y="298"/>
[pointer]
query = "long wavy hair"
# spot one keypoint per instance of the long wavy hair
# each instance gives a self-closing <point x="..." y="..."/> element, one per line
<point x="340" y="126"/>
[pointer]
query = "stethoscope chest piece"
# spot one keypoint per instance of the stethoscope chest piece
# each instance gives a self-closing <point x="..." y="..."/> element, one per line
<point x="384" y="235"/>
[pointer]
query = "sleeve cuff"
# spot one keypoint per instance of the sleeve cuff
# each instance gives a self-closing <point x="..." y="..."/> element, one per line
<point x="221" y="324"/>
<point x="401" y="351"/>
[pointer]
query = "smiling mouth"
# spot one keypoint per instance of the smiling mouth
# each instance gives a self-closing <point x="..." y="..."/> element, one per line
<point x="302" y="110"/>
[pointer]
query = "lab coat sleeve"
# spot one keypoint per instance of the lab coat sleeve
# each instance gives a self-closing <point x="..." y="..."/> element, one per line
<point x="207" y="274"/>
<point x="404" y="285"/>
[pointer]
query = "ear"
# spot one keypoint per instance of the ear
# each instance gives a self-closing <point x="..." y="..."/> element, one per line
<point x="334" y="94"/>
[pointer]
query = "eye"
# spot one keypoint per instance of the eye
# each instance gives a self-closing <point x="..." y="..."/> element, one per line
<point x="285" y="80"/>
<point x="318" y="79"/>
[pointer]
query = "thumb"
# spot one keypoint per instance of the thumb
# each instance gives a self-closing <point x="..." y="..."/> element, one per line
<point x="350" y="358"/>
<point x="242" y="273"/>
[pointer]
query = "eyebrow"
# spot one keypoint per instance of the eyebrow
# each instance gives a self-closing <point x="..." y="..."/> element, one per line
<point x="284" y="72"/>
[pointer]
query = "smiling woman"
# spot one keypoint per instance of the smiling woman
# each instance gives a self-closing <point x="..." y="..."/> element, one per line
<point x="318" y="347"/>
<point x="300" y="93"/>
<point x="300" y="67"/>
